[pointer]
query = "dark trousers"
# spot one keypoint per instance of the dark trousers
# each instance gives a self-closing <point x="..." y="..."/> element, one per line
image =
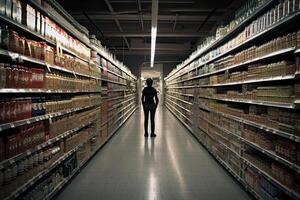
<point x="149" y="109"/>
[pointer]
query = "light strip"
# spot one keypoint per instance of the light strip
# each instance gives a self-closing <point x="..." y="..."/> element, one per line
<point x="153" y="30"/>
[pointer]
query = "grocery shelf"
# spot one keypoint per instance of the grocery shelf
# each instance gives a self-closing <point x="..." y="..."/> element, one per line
<point x="188" y="95"/>
<point x="180" y="99"/>
<point x="124" y="108"/>
<point x="58" y="21"/>
<point x="119" y="111"/>
<point x="275" y="78"/>
<point x="26" y="30"/>
<point x="256" y="125"/>
<point x="180" y="113"/>
<point x="116" y="98"/>
<point x="118" y="90"/>
<point x="59" y="186"/>
<point x="273" y="155"/>
<point x="133" y="110"/>
<point x="68" y="17"/>
<point x="228" y="35"/>
<point x="28" y="152"/>
<point x="119" y="103"/>
<point x="78" y="32"/>
<point x="114" y="73"/>
<point x="111" y="81"/>
<point x="260" y="149"/>
<point x="240" y="179"/>
<point x="224" y="164"/>
<point x="40" y="175"/>
<point x="294" y="105"/>
<point x="183" y="108"/>
<point x="112" y="61"/>
<point x="21" y="58"/>
<point x="123" y="115"/>
<point x="40" y="118"/>
<point x="32" y="91"/>
<point x="252" y="61"/>
<point x="181" y="87"/>
<point x="293" y="194"/>
<point x="276" y="26"/>
<point x="23" y="28"/>
<point x="288" y="191"/>
<point x="74" y="54"/>
<point x="188" y="73"/>
<point x="187" y="126"/>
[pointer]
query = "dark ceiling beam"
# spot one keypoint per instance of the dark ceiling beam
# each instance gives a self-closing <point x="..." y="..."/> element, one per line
<point x="169" y="34"/>
<point x="193" y="10"/>
<point x="203" y="11"/>
<point x="117" y="21"/>
<point x="158" y="49"/>
<point x="161" y="2"/>
<point x="146" y="52"/>
<point x="147" y="17"/>
<point x="139" y="6"/>
<point x="206" y="19"/>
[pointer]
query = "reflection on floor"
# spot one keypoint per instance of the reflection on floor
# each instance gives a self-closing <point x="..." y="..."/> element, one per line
<point x="172" y="166"/>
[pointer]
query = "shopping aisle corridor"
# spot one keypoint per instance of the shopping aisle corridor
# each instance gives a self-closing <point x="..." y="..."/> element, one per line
<point x="172" y="166"/>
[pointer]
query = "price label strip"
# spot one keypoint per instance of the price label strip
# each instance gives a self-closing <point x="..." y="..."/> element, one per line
<point x="14" y="56"/>
<point x="48" y="67"/>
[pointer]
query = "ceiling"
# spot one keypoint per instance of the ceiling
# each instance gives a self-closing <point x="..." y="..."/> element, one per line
<point x="125" y="26"/>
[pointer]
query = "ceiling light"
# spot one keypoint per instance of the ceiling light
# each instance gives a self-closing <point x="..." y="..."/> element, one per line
<point x="153" y="30"/>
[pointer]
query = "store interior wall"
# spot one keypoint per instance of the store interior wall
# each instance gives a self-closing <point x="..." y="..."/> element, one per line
<point x="137" y="63"/>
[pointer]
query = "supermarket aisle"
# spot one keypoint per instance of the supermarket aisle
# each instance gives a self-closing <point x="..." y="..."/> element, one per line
<point x="171" y="166"/>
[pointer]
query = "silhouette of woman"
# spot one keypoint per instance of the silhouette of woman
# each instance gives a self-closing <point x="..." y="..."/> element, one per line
<point x="149" y="94"/>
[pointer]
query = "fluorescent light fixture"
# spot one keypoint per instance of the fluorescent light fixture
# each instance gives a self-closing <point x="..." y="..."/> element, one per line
<point x="153" y="30"/>
<point x="153" y="44"/>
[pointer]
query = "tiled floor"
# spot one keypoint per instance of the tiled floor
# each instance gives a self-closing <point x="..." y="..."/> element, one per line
<point x="172" y="166"/>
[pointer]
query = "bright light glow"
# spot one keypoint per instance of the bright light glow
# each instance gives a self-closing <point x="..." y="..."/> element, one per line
<point x="153" y="30"/>
<point x="153" y="43"/>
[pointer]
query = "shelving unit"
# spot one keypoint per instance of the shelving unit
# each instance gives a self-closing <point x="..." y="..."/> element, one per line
<point x="55" y="95"/>
<point x="239" y="96"/>
<point x="117" y="105"/>
<point x="120" y="96"/>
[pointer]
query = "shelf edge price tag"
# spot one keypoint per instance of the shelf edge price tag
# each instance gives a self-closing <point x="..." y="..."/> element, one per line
<point x="14" y="56"/>
<point x="48" y="67"/>
<point x="20" y="59"/>
<point x="74" y="74"/>
<point x="11" y="161"/>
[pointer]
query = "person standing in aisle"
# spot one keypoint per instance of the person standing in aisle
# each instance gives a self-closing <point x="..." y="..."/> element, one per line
<point x="149" y="94"/>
